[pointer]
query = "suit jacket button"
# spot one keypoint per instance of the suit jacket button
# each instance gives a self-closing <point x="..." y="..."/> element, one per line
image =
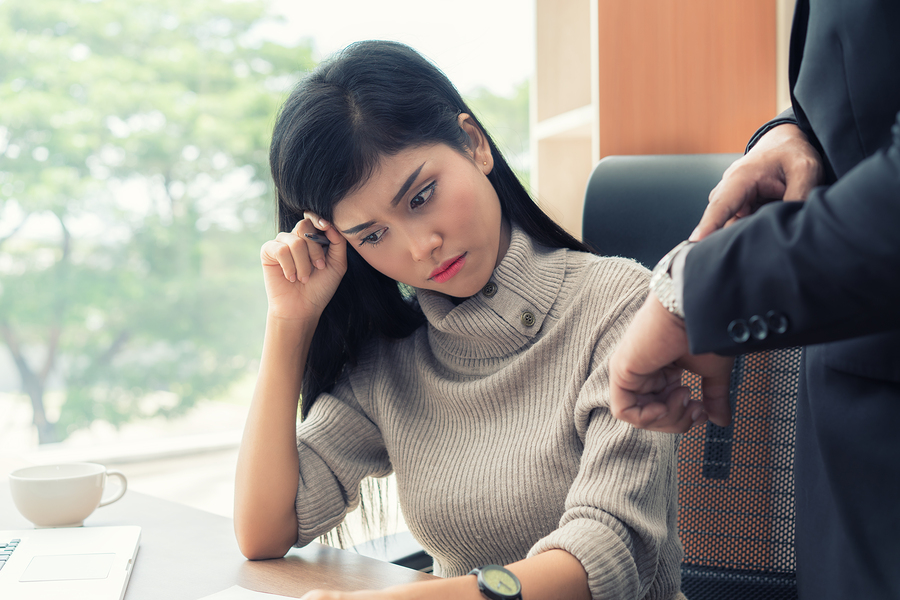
<point x="758" y="327"/>
<point x="739" y="331"/>
<point x="778" y="322"/>
<point x="489" y="289"/>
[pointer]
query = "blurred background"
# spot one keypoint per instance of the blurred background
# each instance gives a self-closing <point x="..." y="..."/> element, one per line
<point x="134" y="197"/>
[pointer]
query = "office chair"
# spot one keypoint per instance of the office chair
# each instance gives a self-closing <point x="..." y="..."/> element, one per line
<point x="736" y="492"/>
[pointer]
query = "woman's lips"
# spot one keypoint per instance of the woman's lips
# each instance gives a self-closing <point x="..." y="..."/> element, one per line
<point x="448" y="269"/>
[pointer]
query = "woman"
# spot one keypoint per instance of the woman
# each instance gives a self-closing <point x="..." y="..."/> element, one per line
<point x="481" y="383"/>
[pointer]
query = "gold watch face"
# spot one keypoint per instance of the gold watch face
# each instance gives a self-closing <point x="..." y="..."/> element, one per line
<point x="501" y="582"/>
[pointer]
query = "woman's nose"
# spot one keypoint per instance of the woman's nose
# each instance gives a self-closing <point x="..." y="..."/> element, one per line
<point x="423" y="244"/>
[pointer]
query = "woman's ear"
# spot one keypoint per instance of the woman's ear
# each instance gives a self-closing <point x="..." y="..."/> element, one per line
<point x="479" y="149"/>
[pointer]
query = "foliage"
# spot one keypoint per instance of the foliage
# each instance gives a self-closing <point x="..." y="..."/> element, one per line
<point x="134" y="196"/>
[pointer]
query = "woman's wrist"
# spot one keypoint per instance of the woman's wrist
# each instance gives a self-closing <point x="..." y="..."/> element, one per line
<point x="551" y="574"/>
<point x="299" y="327"/>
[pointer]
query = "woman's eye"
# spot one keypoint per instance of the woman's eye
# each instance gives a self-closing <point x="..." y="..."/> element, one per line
<point x="373" y="238"/>
<point x="423" y="196"/>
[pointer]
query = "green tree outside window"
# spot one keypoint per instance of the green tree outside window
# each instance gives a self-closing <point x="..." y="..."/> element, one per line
<point x="134" y="136"/>
<point x="135" y="194"/>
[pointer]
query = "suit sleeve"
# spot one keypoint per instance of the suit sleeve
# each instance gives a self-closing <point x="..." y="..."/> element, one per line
<point x="786" y="117"/>
<point x="823" y="270"/>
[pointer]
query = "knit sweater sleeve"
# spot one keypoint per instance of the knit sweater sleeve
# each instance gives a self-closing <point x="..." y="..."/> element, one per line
<point x="338" y="447"/>
<point x="621" y="510"/>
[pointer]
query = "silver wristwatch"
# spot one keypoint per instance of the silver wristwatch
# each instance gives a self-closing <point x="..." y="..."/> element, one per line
<point x="661" y="281"/>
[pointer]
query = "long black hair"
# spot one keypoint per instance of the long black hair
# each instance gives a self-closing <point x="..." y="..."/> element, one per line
<point x="371" y="100"/>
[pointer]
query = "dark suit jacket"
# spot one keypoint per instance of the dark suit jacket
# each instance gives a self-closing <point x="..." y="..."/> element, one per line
<point x="825" y="274"/>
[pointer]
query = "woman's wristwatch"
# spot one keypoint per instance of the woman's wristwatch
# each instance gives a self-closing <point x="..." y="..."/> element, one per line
<point x="498" y="583"/>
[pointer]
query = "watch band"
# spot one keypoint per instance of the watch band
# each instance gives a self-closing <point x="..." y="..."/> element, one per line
<point x="661" y="283"/>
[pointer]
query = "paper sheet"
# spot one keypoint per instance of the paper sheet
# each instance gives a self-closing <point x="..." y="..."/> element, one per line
<point x="236" y="592"/>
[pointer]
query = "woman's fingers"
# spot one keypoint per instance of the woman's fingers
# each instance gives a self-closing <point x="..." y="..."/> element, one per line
<point x="307" y="230"/>
<point x="337" y="248"/>
<point x="307" y="246"/>
<point x="316" y="221"/>
<point x="292" y="252"/>
<point x="331" y="244"/>
<point x="293" y="256"/>
<point x="275" y="253"/>
<point x="312" y="245"/>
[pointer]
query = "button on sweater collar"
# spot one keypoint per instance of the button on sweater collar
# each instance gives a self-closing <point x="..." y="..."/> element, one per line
<point x="491" y="325"/>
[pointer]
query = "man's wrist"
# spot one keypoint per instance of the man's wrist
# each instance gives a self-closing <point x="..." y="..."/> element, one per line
<point x="677" y="273"/>
<point x="667" y="279"/>
<point x="785" y="118"/>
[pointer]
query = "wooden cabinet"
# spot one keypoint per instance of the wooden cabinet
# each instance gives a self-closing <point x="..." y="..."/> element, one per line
<point x="648" y="77"/>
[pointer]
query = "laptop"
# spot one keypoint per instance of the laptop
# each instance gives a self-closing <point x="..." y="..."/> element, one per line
<point x="76" y="563"/>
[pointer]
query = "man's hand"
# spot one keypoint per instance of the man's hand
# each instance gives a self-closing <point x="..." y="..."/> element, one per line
<point x="783" y="165"/>
<point x="645" y="375"/>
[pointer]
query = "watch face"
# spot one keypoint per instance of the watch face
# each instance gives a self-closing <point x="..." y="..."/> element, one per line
<point x="501" y="581"/>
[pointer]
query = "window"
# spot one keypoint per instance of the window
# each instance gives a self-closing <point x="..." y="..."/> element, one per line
<point x="134" y="197"/>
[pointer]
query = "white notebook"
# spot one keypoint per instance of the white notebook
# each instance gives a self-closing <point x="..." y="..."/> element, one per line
<point x="73" y="563"/>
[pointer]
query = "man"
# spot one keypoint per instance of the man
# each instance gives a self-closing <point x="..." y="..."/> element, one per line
<point x="824" y="273"/>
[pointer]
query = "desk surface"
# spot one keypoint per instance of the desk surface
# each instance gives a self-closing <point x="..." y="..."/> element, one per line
<point x="187" y="554"/>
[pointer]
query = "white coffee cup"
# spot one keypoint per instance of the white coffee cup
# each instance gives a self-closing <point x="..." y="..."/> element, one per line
<point x="62" y="495"/>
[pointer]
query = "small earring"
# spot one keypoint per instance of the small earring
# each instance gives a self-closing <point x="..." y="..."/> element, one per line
<point x="485" y="163"/>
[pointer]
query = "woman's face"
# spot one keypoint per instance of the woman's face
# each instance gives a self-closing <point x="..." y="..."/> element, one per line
<point x="428" y="217"/>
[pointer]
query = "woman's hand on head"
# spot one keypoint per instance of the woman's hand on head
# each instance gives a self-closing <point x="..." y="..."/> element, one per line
<point x="300" y="273"/>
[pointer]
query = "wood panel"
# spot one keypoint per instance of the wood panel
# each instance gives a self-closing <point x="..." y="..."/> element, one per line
<point x="684" y="77"/>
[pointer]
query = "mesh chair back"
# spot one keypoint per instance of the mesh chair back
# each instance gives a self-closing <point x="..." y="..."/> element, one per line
<point x="735" y="483"/>
<point x="736" y="487"/>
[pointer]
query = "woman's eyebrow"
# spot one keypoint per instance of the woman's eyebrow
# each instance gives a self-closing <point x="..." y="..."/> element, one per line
<point x="358" y="228"/>
<point x="406" y="185"/>
<point x="403" y="189"/>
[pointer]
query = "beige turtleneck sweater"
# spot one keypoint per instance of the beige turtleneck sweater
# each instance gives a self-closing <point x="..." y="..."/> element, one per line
<point x="497" y="427"/>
